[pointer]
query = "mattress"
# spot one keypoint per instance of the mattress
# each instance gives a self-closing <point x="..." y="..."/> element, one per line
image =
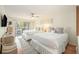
<point x="52" y="40"/>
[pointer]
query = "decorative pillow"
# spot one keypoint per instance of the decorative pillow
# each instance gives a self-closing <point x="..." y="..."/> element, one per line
<point x="59" y="30"/>
<point x="52" y="29"/>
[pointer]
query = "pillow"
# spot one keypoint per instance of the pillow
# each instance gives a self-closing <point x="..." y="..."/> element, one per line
<point x="59" y="30"/>
<point x="52" y="30"/>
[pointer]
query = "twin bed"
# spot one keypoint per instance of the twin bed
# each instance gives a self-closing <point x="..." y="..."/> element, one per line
<point x="48" y="42"/>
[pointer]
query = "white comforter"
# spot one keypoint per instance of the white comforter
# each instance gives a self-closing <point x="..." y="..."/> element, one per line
<point x="52" y="40"/>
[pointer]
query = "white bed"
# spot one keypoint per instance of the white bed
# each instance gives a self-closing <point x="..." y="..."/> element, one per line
<point x="50" y="41"/>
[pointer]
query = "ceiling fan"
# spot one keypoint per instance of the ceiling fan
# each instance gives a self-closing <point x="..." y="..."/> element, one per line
<point x="33" y="15"/>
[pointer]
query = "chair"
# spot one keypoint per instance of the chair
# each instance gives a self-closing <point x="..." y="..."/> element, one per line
<point x="8" y="45"/>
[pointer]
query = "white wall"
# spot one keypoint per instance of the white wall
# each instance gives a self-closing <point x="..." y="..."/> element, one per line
<point x="2" y="29"/>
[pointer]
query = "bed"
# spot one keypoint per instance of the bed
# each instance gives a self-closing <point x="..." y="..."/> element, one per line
<point x="49" y="42"/>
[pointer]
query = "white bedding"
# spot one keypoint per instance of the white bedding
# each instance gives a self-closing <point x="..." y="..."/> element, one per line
<point x="52" y="40"/>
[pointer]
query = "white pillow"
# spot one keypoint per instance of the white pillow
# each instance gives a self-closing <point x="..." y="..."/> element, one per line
<point x="52" y="31"/>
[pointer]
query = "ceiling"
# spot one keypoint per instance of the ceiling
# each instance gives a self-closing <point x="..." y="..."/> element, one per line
<point x="41" y="10"/>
